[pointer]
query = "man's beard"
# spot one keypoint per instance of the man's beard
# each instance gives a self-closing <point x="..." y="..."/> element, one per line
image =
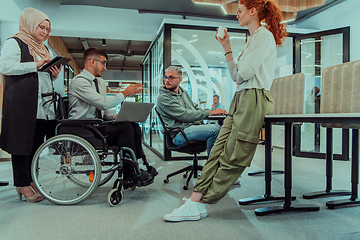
<point x="171" y="89"/>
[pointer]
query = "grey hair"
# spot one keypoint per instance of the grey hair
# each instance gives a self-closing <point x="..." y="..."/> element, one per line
<point x="174" y="68"/>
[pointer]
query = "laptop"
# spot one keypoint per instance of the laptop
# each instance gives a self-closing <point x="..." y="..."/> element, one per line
<point x="134" y="112"/>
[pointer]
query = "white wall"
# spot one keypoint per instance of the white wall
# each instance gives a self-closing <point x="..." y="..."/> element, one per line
<point x="7" y="30"/>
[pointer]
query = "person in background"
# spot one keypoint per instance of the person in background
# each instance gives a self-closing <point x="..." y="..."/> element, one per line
<point x="216" y="104"/>
<point x="26" y="120"/>
<point x="88" y="100"/>
<point x="253" y="73"/>
<point x="178" y="110"/>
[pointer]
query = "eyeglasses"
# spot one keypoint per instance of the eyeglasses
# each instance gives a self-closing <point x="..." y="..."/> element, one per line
<point x="170" y="77"/>
<point x="103" y="62"/>
<point x="42" y="28"/>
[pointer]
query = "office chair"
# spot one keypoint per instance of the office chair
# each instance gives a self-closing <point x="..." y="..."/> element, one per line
<point x="193" y="147"/>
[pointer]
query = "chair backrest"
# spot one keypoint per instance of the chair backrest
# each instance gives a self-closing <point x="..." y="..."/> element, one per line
<point x="190" y="147"/>
<point x="288" y="94"/>
<point x="340" y="91"/>
<point x="167" y="136"/>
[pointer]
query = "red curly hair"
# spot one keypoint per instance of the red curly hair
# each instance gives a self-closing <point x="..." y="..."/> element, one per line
<point x="269" y="12"/>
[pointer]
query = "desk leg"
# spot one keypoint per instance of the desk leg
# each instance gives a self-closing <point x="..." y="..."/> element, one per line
<point x="268" y="150"/>
<point x="329" y="171"/>
<point x="354" y="176"/>
<point x="262" y="172"/>
<point x="286" y="207"/>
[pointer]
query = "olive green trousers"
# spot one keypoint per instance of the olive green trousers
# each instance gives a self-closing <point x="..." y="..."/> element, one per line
<point x="235" y="145"/>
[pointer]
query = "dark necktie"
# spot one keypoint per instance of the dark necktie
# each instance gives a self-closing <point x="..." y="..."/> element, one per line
<point x="97" y="112"/>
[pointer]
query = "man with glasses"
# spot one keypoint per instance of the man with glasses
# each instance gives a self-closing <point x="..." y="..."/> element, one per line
<point x="88" y="100"/>
<point x="178" y="110"/>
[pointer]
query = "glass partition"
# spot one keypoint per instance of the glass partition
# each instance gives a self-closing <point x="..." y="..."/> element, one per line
<point x="318" y="53"/>
<point x="204" y="66"/>
<point x="146" y="97"/>
<point x="284" y="59"/>
<point x="202" y="59"/>
<point x="157" y="66"/>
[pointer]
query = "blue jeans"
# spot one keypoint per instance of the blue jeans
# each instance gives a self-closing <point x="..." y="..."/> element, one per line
<point x="206" y="133"/>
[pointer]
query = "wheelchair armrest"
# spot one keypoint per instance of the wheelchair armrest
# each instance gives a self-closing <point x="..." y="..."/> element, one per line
<point x="80" y="121"/>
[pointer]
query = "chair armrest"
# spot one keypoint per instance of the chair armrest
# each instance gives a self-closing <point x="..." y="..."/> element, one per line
<point x="181" y="131"/>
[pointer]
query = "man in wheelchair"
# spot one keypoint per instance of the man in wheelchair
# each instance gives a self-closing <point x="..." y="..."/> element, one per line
<point x="87" y="100"/>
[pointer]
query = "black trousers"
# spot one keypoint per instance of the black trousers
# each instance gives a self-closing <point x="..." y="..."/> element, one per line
<point x="21" y="164"/>
<point x="124" y="134"/>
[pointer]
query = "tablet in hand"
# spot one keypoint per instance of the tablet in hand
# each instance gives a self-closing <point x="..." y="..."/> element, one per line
<point x="56" y="61"/>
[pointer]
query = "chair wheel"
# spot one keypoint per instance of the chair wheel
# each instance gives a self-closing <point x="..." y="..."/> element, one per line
<point x="185" y="188"/>
<point x="185" y="176"/>
<point x="114" y="197"/>
<point x="166" y="181"/>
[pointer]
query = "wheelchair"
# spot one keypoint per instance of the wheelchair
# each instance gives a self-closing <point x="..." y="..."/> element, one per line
<point x="68" y="167"/>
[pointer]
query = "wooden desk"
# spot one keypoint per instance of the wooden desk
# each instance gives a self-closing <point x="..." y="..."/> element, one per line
<point x="289" y="120"/>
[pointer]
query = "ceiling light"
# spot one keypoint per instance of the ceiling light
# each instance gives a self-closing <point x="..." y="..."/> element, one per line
<point x="213" y="4"/>
<point x="84" y="43"/>
<point x="193" y="40"/>
<point x="290" y="20"/>
<point x="223" y="9"/>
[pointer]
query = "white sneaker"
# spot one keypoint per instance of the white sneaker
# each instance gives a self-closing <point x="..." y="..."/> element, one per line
<point x="202" y="210"/>
<point x="189" y="211"/>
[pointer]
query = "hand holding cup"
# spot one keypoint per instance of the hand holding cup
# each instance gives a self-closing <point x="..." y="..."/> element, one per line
<point x="221" y="32"/>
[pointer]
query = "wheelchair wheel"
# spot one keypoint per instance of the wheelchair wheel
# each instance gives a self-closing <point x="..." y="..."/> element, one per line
<point x="114" y="197"/>
<point x="66" y="169"/>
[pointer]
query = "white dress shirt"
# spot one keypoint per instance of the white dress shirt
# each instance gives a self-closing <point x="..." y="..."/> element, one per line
<point x="256" y="63"/>
<point x="84" y="99"/>
<point x="10" y="65"/>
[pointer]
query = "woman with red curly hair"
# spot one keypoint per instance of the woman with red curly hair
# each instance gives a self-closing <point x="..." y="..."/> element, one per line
<point x="236" y="143"/>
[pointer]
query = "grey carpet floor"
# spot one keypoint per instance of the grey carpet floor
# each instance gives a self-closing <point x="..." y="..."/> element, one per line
<point x="139" y="216"/>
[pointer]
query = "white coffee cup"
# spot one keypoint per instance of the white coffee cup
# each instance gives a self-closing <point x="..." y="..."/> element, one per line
<point x="221" y="32"/>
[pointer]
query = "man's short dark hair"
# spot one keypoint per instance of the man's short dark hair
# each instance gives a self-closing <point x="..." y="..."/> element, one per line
<point x="94" y="52"/>
<point x="215" y="95"/>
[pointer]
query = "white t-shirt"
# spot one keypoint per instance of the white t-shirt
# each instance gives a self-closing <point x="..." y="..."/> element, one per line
<point x="256" y="64"/>
<point x="10" y="64"/>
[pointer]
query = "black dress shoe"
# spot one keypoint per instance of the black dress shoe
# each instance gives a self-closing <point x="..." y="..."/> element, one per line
<point x="152" y="172"/>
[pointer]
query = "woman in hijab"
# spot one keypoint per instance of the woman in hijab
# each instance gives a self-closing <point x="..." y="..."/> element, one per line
<point x="26" y="120"/>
